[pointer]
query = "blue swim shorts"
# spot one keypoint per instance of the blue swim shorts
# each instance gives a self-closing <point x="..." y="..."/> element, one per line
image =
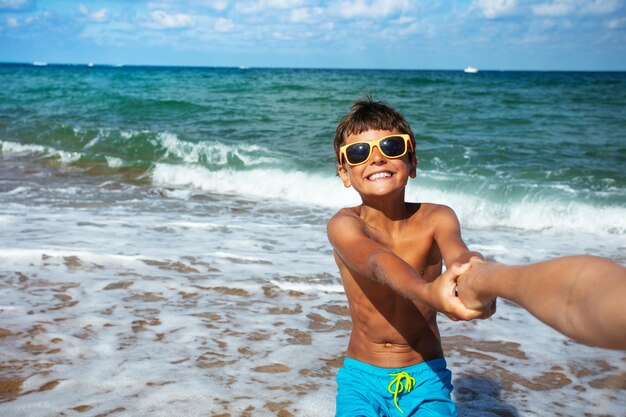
<point x="418" y="390"/>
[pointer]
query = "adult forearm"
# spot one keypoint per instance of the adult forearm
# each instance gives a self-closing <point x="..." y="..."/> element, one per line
<point x="580" y="296"/>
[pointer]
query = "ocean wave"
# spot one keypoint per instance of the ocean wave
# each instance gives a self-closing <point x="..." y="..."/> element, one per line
<point x="265" y="183"/>
<point x="40" y="151"/>
<point x="125" y="148"/>
<point x="534" y="213"/>
<point x="251" y="171"/>
<point x="15" y="148"/>
<point x="540" y="212"/>
<point x="213" y="153"/>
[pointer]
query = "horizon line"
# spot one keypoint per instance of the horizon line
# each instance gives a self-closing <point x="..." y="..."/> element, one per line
<point x="246" y="67"/>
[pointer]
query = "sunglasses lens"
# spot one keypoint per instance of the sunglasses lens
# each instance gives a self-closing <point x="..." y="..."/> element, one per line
<point x="358" y="152"/>
<point x="393" y="146"/>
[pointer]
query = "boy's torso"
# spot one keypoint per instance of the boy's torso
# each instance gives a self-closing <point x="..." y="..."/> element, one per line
<point x="389" y="330"/>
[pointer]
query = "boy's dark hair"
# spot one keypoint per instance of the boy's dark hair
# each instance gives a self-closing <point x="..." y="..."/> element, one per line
<point x="367" y="114"/>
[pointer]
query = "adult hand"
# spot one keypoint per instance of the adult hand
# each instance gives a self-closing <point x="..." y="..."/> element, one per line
<point x="467" y="291"/>
<point x="442" y="295"/>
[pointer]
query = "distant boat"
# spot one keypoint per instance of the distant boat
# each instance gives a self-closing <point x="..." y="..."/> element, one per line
<point x="471" y="70"/>
<point x="40" y="63"/>
<point x="90" y="64"/>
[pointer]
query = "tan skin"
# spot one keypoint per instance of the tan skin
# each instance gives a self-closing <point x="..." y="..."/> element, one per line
<point x="583" y="297"/>
<point x="390" y="255"/>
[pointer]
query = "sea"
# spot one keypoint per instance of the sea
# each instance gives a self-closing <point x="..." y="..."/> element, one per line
<point x="163" y="248"/>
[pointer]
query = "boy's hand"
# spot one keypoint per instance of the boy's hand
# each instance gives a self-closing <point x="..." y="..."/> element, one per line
<point x="442" y="295"/>
<point x="466" y="289"/>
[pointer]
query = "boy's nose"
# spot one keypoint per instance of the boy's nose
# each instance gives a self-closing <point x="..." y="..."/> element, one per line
<point x="377" y="155"/>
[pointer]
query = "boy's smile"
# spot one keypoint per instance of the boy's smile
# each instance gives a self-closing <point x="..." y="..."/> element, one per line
<point x="379" y="176"/>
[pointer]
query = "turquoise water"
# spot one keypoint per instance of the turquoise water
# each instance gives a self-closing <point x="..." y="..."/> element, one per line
<point x="506" y="136"/>
<point x="162" y="233"/>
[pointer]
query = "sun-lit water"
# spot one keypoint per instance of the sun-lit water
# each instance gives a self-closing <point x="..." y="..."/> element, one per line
<point x="162" y="233"/>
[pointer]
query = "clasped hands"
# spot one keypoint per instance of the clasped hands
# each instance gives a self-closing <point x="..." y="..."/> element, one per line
<point x="463" y="300"/>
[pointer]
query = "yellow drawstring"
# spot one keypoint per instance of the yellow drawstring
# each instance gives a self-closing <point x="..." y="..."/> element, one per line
<point x="407" y="386"/>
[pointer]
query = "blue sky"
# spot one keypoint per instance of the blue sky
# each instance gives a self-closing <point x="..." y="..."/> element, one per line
<point x="398" y="34"/>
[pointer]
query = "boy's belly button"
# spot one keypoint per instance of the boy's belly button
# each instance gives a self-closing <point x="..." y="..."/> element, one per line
<point x="388" y="345"/>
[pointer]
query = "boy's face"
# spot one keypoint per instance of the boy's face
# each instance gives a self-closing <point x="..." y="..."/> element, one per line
<point x="378" y="175"/>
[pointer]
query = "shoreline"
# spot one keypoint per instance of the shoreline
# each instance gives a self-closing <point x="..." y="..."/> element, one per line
<point x="58" y="332"/>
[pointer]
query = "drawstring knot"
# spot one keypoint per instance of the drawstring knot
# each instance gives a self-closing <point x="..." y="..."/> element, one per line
<point x="402" y="382"/>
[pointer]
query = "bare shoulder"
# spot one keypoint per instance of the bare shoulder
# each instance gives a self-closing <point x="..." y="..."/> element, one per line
<point x="343" y="221"/>
<point x="348" y="213"/>
<point x="436" y="212"/>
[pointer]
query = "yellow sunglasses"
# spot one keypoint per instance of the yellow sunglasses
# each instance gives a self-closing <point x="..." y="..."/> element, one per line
<point x="392" y="146"/>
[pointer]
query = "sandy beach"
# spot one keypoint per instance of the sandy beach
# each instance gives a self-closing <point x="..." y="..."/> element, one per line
<point x="170" y="343"/>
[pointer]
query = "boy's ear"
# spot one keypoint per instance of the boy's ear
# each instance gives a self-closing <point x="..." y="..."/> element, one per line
<point x="343" y="174"/>
<point x="413" y="166"/>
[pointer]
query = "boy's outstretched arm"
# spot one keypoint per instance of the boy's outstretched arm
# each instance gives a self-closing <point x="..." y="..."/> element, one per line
<point x="365" y="257"/>
<point x="454" y="250"/>
<point x="583" y="297"/>
<point x="448" y="237"/>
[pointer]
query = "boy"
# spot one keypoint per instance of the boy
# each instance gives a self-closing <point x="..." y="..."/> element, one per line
<point x="390" y="253"/>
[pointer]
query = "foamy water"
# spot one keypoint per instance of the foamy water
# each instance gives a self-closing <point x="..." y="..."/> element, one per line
<point x="552" y="207"/>
<point x="122" y="299"/>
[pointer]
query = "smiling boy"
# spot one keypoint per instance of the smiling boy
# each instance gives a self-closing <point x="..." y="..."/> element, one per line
<point x="390" y="255"/>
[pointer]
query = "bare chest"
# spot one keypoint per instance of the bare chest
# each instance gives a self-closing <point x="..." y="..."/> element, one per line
<point x="417" y="247"/>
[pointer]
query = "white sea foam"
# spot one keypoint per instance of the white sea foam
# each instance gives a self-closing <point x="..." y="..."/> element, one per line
<point x="212" y="153"/>
<point x="531" y="214"/>
<point x="305" y="286"/>
<point x="549" y="215"/>
<point x="40" y="255"/>
<point x="20" y="149"/>
<point x="270" y="184"/>
<point x="14" y="148"/>
<point x="18" y="190"/>
<point x="114" y="162"/>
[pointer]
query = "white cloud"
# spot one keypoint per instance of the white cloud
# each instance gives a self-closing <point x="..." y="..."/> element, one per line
<point x="493" y="9"/>
<point x="306" y="15"/>
<point x="281" y="36"/>
<point x="619" y="23"/>
<point x="224" y="25"/>
<point x="557" y="8"/>
<point x="300" y="16"/>
<point x="218" y="5"/>
<point x="101" y="15"/>
<point x="13" y="22"/>
<point x="283" y="4"/>
<point x="600" y="6"/>
<point x="403" y="20"/>
<point x="370" y="9"/>
<point x="15" y="4"/>
<point x="163" y="20"/>
<point x="411" y="29"/>
<point x="256" y="6"/>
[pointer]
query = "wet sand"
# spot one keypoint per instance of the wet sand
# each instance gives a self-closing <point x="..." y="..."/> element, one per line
<point x="123" y="343"/>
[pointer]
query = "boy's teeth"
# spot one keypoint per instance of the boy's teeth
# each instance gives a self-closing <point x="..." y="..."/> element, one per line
<point x="380" y="175"/>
